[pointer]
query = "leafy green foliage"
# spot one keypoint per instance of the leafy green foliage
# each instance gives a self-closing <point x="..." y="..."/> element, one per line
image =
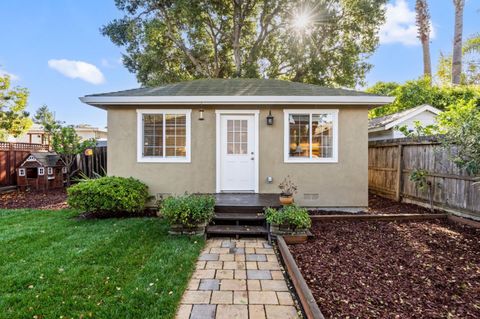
<point x="109" y="194"/>
<point x="291" y="215"/>
<point x="417" y="92"/>
<point x="188" y="210"/>
<point x="14" y="119"/>
<point x="470" y="70"/>
<point x="171" y="41"/>
<point x="461" y="127"/>
<point x="54" y="265"/>
<point x="418" y="130"/>
<point x="419" y="177"/>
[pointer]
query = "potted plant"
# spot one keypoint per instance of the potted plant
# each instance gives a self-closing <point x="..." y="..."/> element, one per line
<point x="288" y="188"/>
<point x="188" y="214"/>
<point x="291" y="221"/>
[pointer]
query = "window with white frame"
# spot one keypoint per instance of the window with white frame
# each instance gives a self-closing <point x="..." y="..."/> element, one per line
<point x="21" y="172"/>
<point x="311" y="136"/>
<point x="41" y="171"/>
<point x="163" y="135"/>
<point x="50" y="171"/>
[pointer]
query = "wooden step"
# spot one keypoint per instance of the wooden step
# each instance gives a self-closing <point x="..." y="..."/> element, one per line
<point x="240" y="216"/>
<point x="236" y="230"/>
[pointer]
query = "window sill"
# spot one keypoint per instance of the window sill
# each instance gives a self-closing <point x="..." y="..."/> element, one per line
<point x="311" y="161"/>
<point x="162" y="160"/>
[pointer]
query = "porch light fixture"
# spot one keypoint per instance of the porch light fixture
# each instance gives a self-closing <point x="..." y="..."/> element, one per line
<point x="201" y="115"/>
<point x="270" y="118"/>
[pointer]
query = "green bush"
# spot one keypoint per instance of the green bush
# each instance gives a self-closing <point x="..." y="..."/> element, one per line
<point x="109" y="194"/>
<point x="290" y="215"/>
<point x="188" y="210"/>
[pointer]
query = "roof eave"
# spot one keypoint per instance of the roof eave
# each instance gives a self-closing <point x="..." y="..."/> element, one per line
<point x="104" y="101"/>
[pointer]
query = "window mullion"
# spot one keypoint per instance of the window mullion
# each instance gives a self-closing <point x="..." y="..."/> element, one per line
<point x="310" y="135"/>
<point x="164" y="124"/>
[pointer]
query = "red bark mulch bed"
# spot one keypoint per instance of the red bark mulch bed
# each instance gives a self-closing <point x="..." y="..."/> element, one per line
<point x="393" y="269"/>
<point x="52" y="199"/>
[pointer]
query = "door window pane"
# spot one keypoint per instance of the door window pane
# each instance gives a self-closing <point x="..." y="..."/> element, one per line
<point x="237" y="137"/>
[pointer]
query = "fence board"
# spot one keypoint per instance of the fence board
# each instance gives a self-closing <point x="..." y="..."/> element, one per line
<point x="452" y="187"/>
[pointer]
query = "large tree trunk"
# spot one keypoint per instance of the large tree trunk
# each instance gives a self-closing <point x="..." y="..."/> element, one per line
<point x="237" y="32"/>
<point x="423" y="25"/>
<point x="457" y="42"/>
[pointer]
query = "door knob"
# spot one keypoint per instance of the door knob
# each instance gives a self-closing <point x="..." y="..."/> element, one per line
<point x="252" y="158"/>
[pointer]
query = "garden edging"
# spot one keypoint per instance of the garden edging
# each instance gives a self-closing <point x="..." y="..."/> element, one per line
<point x="305" y="295"/>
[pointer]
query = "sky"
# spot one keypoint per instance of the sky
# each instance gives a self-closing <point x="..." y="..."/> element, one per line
<point x="55" y="49"/>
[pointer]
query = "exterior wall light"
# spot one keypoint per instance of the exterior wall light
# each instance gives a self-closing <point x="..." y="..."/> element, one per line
<point x="270" y="118"/>
<point x="201" y="115"/>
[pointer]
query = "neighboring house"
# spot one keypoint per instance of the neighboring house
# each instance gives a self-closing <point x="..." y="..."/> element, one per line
<point x="213" y="135"/>
<point x="37" y="135"/>
<point x="384" y="127"/>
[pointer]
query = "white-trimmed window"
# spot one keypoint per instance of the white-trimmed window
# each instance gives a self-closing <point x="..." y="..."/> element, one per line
<point x="50" y="171"/>
<point x="163" y="135"/>
<point x="311" y="136"/>
<point x="41" y="171"/>
<point x="21" y="172"/>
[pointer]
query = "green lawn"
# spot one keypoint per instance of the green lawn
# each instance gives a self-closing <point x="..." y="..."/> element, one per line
<point x="52" y="265"/>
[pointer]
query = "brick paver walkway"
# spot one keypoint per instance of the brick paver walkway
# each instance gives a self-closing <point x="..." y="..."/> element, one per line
<point x="237" y="279"/>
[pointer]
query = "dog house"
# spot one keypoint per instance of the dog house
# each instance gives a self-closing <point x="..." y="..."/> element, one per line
<point x="41" y="171"/>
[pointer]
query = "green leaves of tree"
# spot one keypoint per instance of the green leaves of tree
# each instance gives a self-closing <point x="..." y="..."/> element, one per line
<point x="14" y="119"/>
<point x="170" y="41"/>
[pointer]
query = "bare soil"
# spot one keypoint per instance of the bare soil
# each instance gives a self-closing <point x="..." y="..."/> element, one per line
<point x="51" y="199"/>
<point x="378" y="205"/>
<point x="393" y="269"/>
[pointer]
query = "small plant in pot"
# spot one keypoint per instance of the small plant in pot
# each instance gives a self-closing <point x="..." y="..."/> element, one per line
<point x="292" y="222"/>
<point x="188" y="214"/>
<point x="288" y="188"/>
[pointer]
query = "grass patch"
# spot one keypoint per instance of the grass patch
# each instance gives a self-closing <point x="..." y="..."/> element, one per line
<point x="53" y="265"/>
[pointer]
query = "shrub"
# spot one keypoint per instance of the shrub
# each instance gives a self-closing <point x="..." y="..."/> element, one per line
<point x="109" y="194"/>
<point x="291" y="215"/>
<point x="188" y="210"/>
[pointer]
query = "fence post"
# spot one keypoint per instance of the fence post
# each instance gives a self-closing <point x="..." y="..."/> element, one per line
<point x="398" y="190"/>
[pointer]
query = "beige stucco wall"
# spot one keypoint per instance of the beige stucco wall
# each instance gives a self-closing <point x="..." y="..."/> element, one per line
<point x="342" y="184"/>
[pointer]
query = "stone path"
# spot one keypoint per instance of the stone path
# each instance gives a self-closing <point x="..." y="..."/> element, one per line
<point x="237" y="279"/>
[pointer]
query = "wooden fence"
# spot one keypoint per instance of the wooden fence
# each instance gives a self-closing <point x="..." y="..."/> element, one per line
<point x="391" y="162"/>
<point x="11" y="155"/>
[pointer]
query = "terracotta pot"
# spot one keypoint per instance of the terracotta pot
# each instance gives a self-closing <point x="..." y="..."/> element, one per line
<point x="295" y="239"/>
<point x="286" y="200"/>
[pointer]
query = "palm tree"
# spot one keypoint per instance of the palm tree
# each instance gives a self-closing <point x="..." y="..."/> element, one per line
<point x="472" y="45"/>
<point x="457" y="42"/>
<point x="423" y="25"/>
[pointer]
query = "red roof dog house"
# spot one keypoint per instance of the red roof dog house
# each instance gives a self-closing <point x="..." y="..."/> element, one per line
<point x="41" y="171"/>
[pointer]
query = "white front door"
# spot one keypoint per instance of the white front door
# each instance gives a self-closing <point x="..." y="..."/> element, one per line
<point x="237" y="153"/>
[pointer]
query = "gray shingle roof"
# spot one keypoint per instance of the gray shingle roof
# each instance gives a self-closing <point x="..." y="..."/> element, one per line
<point x="47" y="158"/>
<point x="235" y="87"/>
<point x="387" y="119"/>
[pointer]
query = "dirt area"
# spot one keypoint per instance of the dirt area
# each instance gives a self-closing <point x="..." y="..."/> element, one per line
<point x="393" y="269"/>
<point x="378" y="205"/>
<point x="52" y="199"/>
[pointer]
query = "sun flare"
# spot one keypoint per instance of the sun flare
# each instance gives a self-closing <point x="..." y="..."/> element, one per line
<point x="301" y="21"/>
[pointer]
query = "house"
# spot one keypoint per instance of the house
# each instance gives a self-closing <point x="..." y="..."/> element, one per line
<point x="36" y="134"/>
<point x="384" y="127"/>
<point x="242" y="135"/>
<point x="41" y="171"/>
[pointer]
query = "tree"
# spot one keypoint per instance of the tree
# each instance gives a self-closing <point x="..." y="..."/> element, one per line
<point x="417" y="92"/>
<point x="461" y="126"/>
<point x="14" y="119"/>
<point x="67" y="144"/>
<point x="324" y="42"/>
<point x="46" y="119"/>
<point x="472" y="45"/>
<point x="423" y="25"/>
<point x="457" y="42"/>
<point x="470" y="74"/>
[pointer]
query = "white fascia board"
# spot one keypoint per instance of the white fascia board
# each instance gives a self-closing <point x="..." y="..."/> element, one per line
<point x="426" y="108"/>
<point x="242" y="99"/>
